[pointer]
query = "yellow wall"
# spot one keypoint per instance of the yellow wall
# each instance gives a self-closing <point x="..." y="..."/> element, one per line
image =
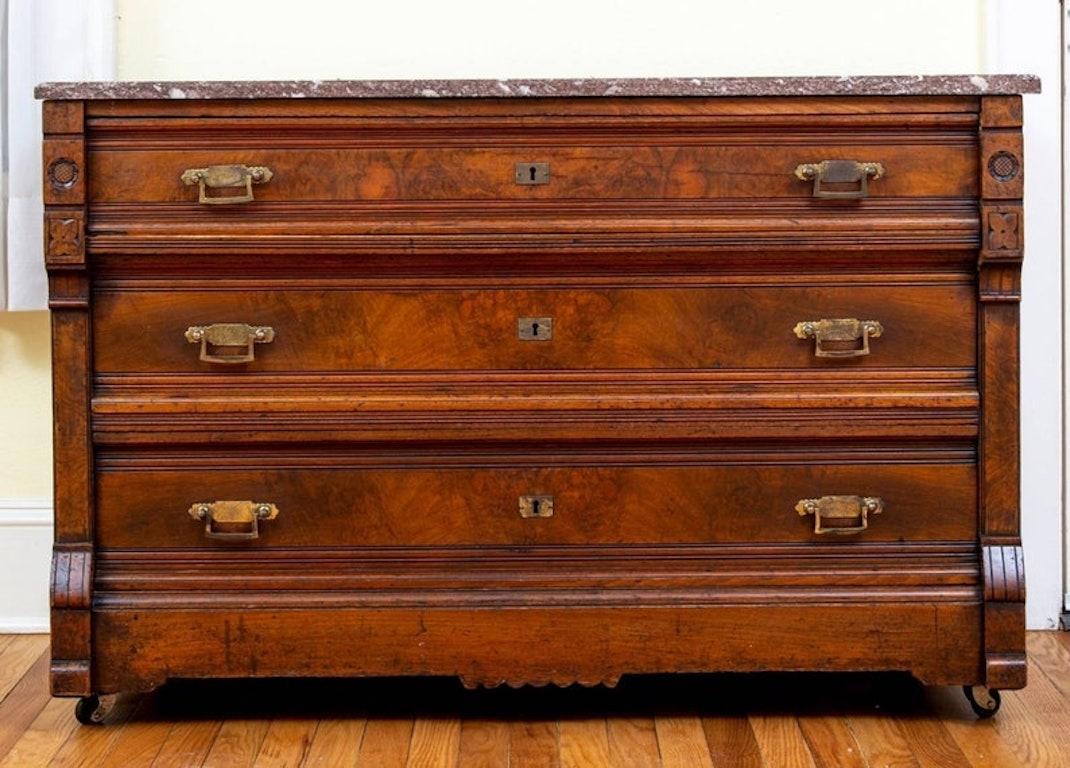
<point x="25" y="406"/>
<point x="210" y="39"/>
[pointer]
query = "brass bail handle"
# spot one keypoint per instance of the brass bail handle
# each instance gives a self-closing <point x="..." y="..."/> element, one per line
<point x="224" y="177"/>
<point x="852" y="511"/>
<point x="233" y="520"/>
<point x="840" y="172"/>
<point x="840" y="330"/>
<point x="229" y="335"/>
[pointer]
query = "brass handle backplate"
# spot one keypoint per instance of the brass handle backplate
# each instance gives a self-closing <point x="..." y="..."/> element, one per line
<point x="229" y="335"/>
<point x="840" y="172"/>
<point x="849" y="330"/>
<point x="537" y="506"/>
<point x="233" y="520"/>
<point x="849" y="514"/>
<point x="224" y="177"/>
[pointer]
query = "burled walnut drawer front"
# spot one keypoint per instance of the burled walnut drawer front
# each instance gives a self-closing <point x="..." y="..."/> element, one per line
<point x="206" y="330"/>
<point x="530" y="499"/>
<point x="571" y="161"/>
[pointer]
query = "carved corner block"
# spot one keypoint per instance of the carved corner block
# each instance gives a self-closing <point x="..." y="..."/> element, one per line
<point x="1002" y="248"/>
<point x="62" y="116"/>
<point x="64" y="238"/>
<point x="63" y="181"/>
<point x="71" y="598"/>
<point x="1003" y="571"/>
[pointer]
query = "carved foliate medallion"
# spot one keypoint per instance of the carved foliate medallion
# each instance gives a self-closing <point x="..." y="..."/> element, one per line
<point x="1003" y="229"/>
<point x="64" y="242"/>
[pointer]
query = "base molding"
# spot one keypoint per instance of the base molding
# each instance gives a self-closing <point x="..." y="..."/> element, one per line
<point x="25" y="549"/>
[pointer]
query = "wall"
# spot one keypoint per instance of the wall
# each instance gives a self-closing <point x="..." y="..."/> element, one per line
<point x="158" y="39"/>
<point x="25" y="470"/>
<point x="250" y="39"/>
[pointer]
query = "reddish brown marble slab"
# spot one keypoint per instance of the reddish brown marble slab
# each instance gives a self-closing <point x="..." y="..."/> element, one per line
<point x="905" y="85"/>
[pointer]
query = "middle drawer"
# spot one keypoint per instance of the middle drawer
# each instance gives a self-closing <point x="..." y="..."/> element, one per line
<point x="203" y="329"/>
<point x="455" y="500"/>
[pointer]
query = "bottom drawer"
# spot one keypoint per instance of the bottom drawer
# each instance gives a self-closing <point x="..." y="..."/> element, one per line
<point x="413" y="500"/>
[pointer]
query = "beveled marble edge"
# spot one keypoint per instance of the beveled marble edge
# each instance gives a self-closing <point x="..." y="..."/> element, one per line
<point x="901" y="85"/>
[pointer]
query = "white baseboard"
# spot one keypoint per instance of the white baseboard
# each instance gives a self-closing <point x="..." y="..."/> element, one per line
<point x="25" y="560"/>
<point x="23" y="625"/>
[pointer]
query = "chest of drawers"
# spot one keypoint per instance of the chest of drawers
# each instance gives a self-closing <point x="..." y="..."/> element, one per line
<point x="530" y="383"/>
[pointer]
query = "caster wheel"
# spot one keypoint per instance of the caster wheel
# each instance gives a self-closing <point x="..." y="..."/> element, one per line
<point x="91" y="710"/>
<point x="984" y="701"/>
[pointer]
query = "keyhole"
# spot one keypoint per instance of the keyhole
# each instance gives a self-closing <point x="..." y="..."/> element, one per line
<point x="535" y="507"/>
<point x="535" y="329"/>
<point x="531" y="172"/>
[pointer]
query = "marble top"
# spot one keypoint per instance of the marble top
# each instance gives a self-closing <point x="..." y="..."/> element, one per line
<point x="899" y="85"/>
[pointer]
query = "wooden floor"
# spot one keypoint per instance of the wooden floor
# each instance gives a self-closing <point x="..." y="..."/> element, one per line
<point x="690" y="722"/>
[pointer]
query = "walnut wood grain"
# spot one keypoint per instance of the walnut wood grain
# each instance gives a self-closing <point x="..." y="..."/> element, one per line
<point x="139" y="649"/>
<point x="1000" y="266"/>
<point x="475" y="328"/>
<point x="474" y="502"/>
<point x="397" y="417"/>
<point x="64" y="185"/>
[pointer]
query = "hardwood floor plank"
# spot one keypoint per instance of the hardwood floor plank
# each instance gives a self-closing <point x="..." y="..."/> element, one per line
<point x="1024" y="734"/>
<point x="436" y="743"/>
<point x="881" y="741"/>
<point x="237" y="743"/>
<point x="731" y="741"/>
<point x="831" y="742"/>
<point x="17" y="656"/>
<point x="42" y="740"/>
<point x="24" y="703"/>
<point x="286" y="743"/>
<point x="187" y="744"/>
<point x="682" y="742"/>
<point x="385" y="744"/>
<point x="633" y="742"/>
<point x="87" y="746"/>
<point x="534" y="744"/>
<point x="932" y="745"/>
<point x="584" y="743"/>
<point x="780" y="742"/>
<point x="1050" y="651"/>
<point x="336" y="743"/>
<point x="978" y="740"/>
<point x="139" y="740"/>
<point x="484" y="744"/>
<point x="1047" y="705"/>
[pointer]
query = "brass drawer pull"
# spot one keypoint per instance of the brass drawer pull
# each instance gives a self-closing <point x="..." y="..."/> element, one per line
<point x="233" y="520"/>
<point x="838" y="331"/>
<point x="839" y="172"/>
<point x="224" y="177"/>
<point x="229" y="335"/>
<point x="537" y="506"/>
<point x="854" y="510"/>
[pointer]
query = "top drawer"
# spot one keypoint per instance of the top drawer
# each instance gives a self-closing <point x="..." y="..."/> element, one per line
<point x="515" y="158"/>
